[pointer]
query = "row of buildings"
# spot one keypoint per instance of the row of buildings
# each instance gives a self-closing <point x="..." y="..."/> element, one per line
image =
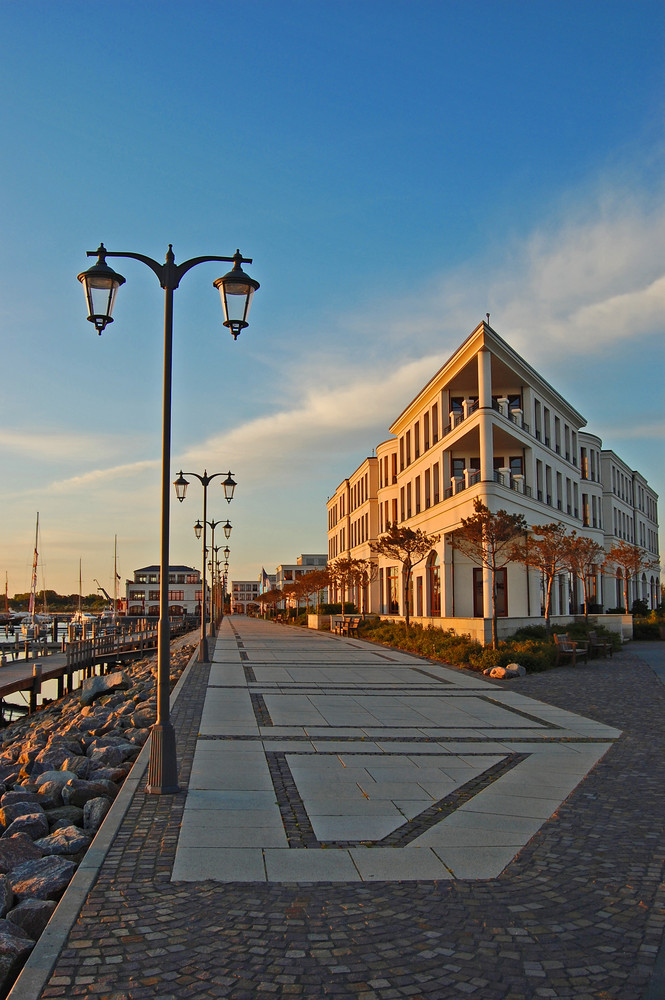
<point x="185" y="590"/>
<point x="488" y="426"/>
<point x="245" y="593"/>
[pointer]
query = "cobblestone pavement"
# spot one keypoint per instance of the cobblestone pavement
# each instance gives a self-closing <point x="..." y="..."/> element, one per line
<point x="578" y="913"/>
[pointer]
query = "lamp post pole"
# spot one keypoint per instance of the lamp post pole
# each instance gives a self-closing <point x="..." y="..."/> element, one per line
<point x="101" y="284"/>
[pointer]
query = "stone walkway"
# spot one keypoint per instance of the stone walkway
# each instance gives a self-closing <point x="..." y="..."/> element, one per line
<point x="358" y="822"/>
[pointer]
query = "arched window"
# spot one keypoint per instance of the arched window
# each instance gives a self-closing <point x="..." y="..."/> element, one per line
<point x="434" y="584"/>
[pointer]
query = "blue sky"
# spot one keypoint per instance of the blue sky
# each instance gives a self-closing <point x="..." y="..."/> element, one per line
<point x="396" y="168"/>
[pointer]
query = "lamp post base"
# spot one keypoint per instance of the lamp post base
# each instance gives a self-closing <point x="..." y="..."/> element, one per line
<point x="203" y="650"/>
<point x="162" y="768"/>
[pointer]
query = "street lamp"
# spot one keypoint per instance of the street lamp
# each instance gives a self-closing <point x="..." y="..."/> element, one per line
<point x="198" y="528"/>
<point x="181" y="485"/>
<point x="101" y="284"/>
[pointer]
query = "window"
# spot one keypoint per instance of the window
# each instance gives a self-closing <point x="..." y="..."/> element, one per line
<point x="426" y="431"/>
<point x="501" y="592"/>
<point x="408" y="500"/>
<point x="176" y="595"/>
<point x="516" y="465"/>
<point x="408" y="448"/>
<point x="417" y="492"/>
<point x="392" y="586"/>
<point x="401" y="454"/>
<point x="435" y="482"/>
<point x="434" y="581"/>
<point x="416" y="439"/>
<point x="428" y="498"/>
<point x="153" y="595"/>
<point x="394" y="467"/>
<point x="435" y="423"/>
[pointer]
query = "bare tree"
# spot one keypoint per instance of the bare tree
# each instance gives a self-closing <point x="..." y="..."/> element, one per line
<point x="269" y="598"/>
<point x="344" y="573"/>
<point x="407" y="547"/>
<point x="315" y="582"/>
<point x="632" y="559"/>
<point x="544" y="549"/>
<point x="583" y="557"/>
<point x="489" y="539"/>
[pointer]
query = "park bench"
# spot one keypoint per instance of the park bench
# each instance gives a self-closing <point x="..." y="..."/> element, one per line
<point x="598" y="646"/>
<point x="345" y="625"/>
<point x="572" y="650"/>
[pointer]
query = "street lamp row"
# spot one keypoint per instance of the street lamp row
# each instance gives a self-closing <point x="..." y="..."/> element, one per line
<point x="101" y="283"/>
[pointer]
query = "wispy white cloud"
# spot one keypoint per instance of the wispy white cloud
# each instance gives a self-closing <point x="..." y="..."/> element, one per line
<point x="324" y="421"/>
<point x="103" y="477"/>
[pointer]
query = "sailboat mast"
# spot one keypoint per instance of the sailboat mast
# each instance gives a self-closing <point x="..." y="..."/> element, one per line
<point x="115" y="576"/>
<point x="33" y="585"/>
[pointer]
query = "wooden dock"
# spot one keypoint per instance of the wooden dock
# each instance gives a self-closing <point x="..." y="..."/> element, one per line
<point x="83" y="655"/>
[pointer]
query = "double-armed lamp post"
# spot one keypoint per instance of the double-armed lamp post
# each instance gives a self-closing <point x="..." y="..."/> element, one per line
<point x="101" y="284"/>
<point x="181" y="485"/>
<point x="227" y="528"/>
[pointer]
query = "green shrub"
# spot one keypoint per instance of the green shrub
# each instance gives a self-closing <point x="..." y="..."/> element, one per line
<point x="646" y="631"/>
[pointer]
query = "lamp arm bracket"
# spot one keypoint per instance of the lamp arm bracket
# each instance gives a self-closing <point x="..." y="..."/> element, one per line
<point x="153" y="264"/>
<point x="188" y="264"/>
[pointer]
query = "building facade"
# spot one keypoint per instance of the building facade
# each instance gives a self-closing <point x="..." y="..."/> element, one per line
<point x="142" y="592"/>
<point x="488" y="426"/>
<point x="244" y="595"/>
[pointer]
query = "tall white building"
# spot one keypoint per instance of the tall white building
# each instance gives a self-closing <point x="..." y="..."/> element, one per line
<point x="488" y="426"/>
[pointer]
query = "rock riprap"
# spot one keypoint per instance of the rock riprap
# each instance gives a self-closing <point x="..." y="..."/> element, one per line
<point x="60" y="770"/>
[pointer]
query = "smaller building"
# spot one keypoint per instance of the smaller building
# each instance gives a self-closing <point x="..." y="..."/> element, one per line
<point x="244" y="595"/>
<point x="142" y="593"/>
<point x="306" y="563"/>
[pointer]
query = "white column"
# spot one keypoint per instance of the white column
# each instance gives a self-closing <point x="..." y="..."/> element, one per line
<point x="486" y="426"/>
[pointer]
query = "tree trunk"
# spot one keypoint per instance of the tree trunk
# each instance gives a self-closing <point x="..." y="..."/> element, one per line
<point x="495" y="630"/>
<point x="407" y="577"/>
<point x="548" y="604"/>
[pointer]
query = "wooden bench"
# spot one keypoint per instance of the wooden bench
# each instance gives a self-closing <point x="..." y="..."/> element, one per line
<point x="345" y="624"/>
<point x="598" y="646"/>
<point x="565" y="646"/>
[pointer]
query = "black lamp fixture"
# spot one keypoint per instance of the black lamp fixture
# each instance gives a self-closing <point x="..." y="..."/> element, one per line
<point x="229" y="488"/>
<point x="100" y="283"/>
<point x="227" y="529"/>
<point x="198" y="528"/>
<point x="236" y="290"/>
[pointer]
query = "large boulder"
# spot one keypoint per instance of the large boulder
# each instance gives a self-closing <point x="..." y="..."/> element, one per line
<point x="31" y="916"/>
<point x="34" y="824"/>
<point x="77" y="792"/>
<point x="109" y="756"/>
<point x="14" y="810"/>
<point x="97" y="687"/>
<point x="64" y="840"/>
<point x="61" y="777"/>
<point x="64" y="816"/>
<point x="94" y="812"/>
<point x="14" y="949"/>
<point x="44" y="879"/>
<point x="16" y="850"/>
